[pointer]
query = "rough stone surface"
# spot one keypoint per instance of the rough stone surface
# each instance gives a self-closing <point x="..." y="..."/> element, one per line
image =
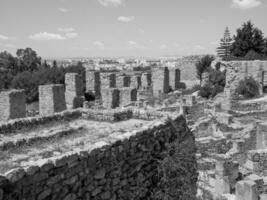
<point x="122" y="169"/>
<point x="175" y="77"/>
<point x="111" y="98"/>
<point x="160" y="80"/>
<point x="127" y="96"/>
<point x="73" y="90"/>
<point x="93" y="82"/>
<point x="51" y="99"/>
<point x="12" y="105"/>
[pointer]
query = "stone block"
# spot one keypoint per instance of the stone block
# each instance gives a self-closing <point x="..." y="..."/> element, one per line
<point x="160" y="80"/>
<point x="51" y="99"/>
<point x="175" y="77"/>
<point x="12" y="105"/>
<point x="127" y="96"/>
<point x="93" y="83"/>
<point x="111" y="98"/>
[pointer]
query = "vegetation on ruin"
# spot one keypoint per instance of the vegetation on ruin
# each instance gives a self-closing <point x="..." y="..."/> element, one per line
<point x="25" y="71"/>
<point x="178" y="170"/>
<point x="203" y="65"/>
<point x="248" y="88"/>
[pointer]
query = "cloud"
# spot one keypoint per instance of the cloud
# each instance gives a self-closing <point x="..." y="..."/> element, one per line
<point x="163" y="46"/>
<point x="125" y="19"/>
<point x="52" y="36"/>
<point x="3" y="37"/>
<point x="245" y="4"/>
<point x="115" y="3"/>
<point x="98" y="43"/>
<point x="71" y="35"/>
<point x="132" y="42"/>
<point x="64" y="10"/>
<point x="66" y="29"/>
<point x="199" y="48"/>
<point x="142" y="31"/>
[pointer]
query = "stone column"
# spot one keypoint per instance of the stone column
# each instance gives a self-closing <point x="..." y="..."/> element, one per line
<point x="127" y="96"/>
<point x="51" y="99"/>
<point x="175" y="78"/>
<point x="93" y="82"/>
<point x="110" y="98"/>
<point x="74" y="90"/>
<point x="160" y="81"/>
<point x="12" y="105"/>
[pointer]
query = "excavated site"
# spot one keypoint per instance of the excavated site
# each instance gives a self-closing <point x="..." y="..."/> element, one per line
<point x="109" y="148"/>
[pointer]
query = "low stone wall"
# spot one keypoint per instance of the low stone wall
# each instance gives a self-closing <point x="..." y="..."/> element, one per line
<point x="126" y="168"/>
<point x="30" y="122"/>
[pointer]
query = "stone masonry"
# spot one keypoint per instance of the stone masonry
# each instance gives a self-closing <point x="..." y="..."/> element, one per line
<point x="73" y="90"/>
<point x="93" y="82"/>
<point x="12" y="105"/>
<point x="51" y="99"/>
<point x="160" y="80"/>
<point x="127" y="96"/>
<point x="121" y="169"/>
<point x="175" y="77"/>
<point x="110" y="98"/>
<point x="107" y="80"/>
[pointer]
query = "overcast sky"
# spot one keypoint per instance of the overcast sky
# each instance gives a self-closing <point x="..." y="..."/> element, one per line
<point x="71" y="28"/>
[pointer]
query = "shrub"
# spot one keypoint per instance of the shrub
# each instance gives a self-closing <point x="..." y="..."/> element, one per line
<point x="248" y="88"/>
<point x="206" y="91"/>
<point x="192" y="90"/>
<point x="252" y="55"/>
<point x="181" y="85"/>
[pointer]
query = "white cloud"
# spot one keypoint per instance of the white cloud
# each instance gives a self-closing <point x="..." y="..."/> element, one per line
<point x="98" y="43"/>
<point x="199" y="48"/>
<point x="64" y="10"/>
<point x="132" y="43"/>
<point x="245" y="4"/>
<point x="3" y="37"/>
<point x="46" y="36"/>
<point x="66" y="29"/>
<point x="115" y="3"/>
<point x="163" y="46"/>
<point x="71" y="35"/>
<point x="142" y="31"/>
<point x="125" y="19"/>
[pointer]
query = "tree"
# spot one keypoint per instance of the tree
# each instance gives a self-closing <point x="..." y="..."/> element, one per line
<point x="247" y="38"/>
<point x="223" y="50"/>
<point x="28" y="60"/>
<point x="203" y="65"/>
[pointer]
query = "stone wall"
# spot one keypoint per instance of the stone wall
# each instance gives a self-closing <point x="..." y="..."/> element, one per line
<point x="110" y="98"/>
<point x="93" y="82"/>
<point x="239" y="70"/>
<point x="73" y="90"/>
<point x="160" y="80"/>
<point x="12" y="105"/>
<point x="175" y="77"/>
<point x="127" y="96"/>
<point x="51" y="99"/>
<point x="124" y="168"/>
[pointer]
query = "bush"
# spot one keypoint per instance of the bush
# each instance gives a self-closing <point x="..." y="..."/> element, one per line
<point x="181" y="85"/>
<point x="192" y="90"/>
<point x="252" y="55"/>
<point x="206" y="91"/>
<point x="248" y="88"/>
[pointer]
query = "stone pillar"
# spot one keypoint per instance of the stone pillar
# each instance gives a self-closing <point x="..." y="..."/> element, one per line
<point x="74" y="90"/>
<point x="160" y="81"/>
<point x="108" y="80"/>
<point x="127" y="96"/>
<point x="226" y="173"/>
<point x="111" y="98"/>
<point x="136" y="81"/>
<point x="12" y="105"/>
<point x="51" y="99"/>
<point x="93" y="82"/>
<point x="261" y="136"/>
<point x="175" y="77"/>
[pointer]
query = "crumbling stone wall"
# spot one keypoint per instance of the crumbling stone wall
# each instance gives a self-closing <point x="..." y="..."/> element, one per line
<point x="175" y="77"/>
<point x="239" y="70"/>
<point x="146" y="79"/>
<point x="12" y="105"/>
<point x="136" y="81"/>
<point x="51" y="99"/>
<point x="110" y="98"/>
<point x="107" y="80"/>
<point x="160" y="80"/>
<point x="125" y="168"/>
<point x="127" y="96"/>
<point x="93" y="82"/>
<point x="73" y="90"/>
